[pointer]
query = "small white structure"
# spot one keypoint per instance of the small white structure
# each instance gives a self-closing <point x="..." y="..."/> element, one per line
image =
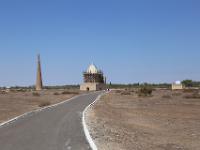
<point x="177" y="85"/>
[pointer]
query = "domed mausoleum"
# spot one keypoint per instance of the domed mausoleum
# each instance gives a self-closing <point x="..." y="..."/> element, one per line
<point x="94" y="79"/>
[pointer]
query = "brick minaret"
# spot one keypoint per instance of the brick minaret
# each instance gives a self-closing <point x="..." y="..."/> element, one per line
<point x="38" y="85"/>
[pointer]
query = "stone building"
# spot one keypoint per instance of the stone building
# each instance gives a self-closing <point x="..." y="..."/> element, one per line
<point x="94" y="79"/>
<point x="177" y="85"/>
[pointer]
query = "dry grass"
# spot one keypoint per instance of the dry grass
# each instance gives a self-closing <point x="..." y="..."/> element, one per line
<point x="56" y="93"/>
<point x="193" y="96"/>
<point x="164" y="121"/>
<point x="118" y="91"/>
<point x="3" y="92"/>
<point x="190" y="90"/>
<point x="125" y="93"/>
<point x="176" y="93"/>
<point x="35" y="94"/>
<point x="69" y="92"/>
<point x="145" y="91"/>
<point x="166" y="96"/>
<point x="44" y="103"/>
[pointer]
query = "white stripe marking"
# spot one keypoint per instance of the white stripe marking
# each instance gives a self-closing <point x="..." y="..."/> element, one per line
<point x="37" y="110"/>
<point x="86" y="131"/>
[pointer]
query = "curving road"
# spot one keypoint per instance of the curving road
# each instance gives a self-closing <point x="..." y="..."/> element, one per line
<point x="56" y="128"/>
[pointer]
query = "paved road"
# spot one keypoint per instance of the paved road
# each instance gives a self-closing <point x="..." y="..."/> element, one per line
<point x="58" y="128"/>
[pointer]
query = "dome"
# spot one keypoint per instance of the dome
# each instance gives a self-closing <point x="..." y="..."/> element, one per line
<point x="178" y="82"/>
<point x="92" y="69"/>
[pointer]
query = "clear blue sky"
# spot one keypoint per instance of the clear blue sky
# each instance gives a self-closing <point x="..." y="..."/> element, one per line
<point x="131" y="41"/>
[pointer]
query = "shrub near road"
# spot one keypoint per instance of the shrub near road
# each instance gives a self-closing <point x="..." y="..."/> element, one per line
<point x="145" y="91"/>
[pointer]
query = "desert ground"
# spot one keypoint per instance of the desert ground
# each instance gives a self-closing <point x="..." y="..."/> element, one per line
<point x="17" y="102"/>
<point x="167" y="120"/>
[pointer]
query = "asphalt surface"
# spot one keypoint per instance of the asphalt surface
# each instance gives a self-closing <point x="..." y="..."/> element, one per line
<point x="57" y="128"/>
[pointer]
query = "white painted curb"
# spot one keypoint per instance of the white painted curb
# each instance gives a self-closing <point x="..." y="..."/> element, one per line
<point x="86" y="131"/>
<point x="36" y="111"/>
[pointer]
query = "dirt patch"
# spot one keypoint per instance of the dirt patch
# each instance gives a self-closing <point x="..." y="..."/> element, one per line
<point x="165" y="121"/>
<point x="14" y="103"/>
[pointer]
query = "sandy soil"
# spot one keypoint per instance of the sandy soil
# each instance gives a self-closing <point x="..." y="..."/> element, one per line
<point x="166" y="121"/>
<point x="15" y="103"/>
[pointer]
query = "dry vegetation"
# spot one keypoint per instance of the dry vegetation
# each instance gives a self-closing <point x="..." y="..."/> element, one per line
<point x="17" y="102"/>
<point x="44" y="103"/>
<point x="166" y="120"/>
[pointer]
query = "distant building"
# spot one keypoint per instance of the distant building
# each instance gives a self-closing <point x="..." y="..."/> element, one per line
<point x="39" y="84"/>
<point x="94" y="79"/>
<point x="177" y="85"/>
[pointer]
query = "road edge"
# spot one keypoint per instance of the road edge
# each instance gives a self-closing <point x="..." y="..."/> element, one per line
<point x="36" y="111"/>
<point x="85" y="128"/>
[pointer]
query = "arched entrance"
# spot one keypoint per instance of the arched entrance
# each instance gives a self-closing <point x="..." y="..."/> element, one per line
<point x="87" y="88"/>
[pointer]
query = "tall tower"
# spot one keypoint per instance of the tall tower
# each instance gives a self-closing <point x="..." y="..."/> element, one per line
<point x="38" y="85"/>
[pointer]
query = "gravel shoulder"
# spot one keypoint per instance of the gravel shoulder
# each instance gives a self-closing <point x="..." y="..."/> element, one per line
<point x="168" y="120"/>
